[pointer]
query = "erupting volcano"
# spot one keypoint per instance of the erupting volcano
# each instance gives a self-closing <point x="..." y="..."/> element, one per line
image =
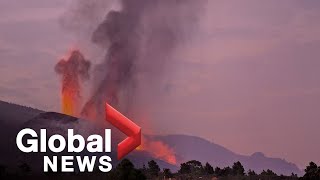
<point x="139" y="39"/>
<point x="72" y="70"/>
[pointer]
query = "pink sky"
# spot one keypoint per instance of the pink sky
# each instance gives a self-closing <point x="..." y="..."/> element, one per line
<point x="248" y="80"/>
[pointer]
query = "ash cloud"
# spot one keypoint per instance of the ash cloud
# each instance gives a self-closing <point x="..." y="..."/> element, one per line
<point x="140" y="39"/>
<point x="75" y="67"/>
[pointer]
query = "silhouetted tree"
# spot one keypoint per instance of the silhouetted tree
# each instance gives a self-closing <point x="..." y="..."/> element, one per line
<point x="226" y="171"/>
<point x="268" y="173"/>
<point x="136" y="175"/>
<point x="125" y="170"/>
<point x="184" y="168"/>
<point x="217" y="171"/>
<point x="312" y="172"/>
<point x="238" y="169"/>
<point x="153" y="168"/>
<point x="251" y="173"/>
<point x="144" y="169"/>
<point x="294" y="175"/>
<point x="195" y="166"/>
<point x="208" y="169"/>
<point x="167" y="173"/>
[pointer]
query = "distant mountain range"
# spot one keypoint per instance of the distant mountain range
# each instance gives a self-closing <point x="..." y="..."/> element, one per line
<point x="13" y="117"/>
<point x="195" y="148"/>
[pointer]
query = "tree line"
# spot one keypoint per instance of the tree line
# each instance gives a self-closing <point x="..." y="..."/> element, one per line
<point x="189" y="170"/>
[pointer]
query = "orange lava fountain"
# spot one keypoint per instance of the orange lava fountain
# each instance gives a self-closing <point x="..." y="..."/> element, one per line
<point x="70" y="100"/>
<point x="72" y="70"/>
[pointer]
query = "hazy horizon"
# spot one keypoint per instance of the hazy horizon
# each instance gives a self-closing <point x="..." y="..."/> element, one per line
<point x="248" y="79"/>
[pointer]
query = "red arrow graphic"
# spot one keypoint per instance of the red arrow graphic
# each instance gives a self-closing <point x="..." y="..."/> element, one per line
<point x="126" y="126"/>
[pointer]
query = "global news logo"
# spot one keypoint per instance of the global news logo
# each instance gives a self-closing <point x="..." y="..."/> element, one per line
<point x="93" y="144"/>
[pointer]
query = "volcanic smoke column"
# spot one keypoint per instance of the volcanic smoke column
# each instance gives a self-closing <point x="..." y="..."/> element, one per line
<point x="73" y="70"/>
<point x="122" y="52"/>
<point x="139" y="40"/>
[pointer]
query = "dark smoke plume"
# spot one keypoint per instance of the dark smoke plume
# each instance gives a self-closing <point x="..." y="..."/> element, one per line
<point x="140" y="39"/>
<point x="75" y="67"/>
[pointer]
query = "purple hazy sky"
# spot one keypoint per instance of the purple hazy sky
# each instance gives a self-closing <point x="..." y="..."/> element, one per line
<point x="248" y="80"/>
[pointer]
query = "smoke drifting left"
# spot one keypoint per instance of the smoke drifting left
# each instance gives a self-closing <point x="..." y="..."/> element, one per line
<point x="72" y="70"/>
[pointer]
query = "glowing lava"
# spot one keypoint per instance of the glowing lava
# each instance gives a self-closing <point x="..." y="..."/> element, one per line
<point x="158" y="150"/>
<point x="70" y="96"/>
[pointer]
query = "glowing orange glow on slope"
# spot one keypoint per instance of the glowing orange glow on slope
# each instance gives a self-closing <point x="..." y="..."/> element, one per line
<point x="158" y="149"/>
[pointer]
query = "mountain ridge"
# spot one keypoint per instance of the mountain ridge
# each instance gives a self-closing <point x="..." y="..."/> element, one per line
<point x="189" y="147"/>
